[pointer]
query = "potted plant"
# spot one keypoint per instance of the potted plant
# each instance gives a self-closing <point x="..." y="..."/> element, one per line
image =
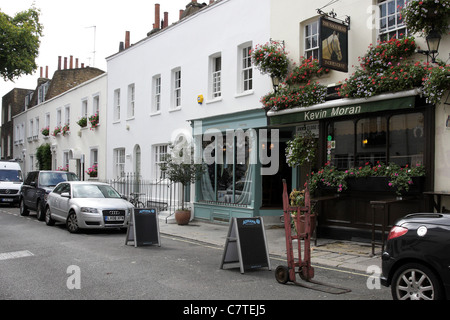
<point x="82" y="122"/>
<point x="301" y="150"/>
<point x="424" y="16"/>
<point x="56" y="131"/>
<point x="93" y="171"/>
<point x="179" y="167"/>
<point x="297" y="199"/>
<point x="45" y="131"/>
<point x="94" y="120"/>
<point x="65" y="129"/>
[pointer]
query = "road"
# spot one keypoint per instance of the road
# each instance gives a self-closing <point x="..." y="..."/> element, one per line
<point x="49" y="263"/>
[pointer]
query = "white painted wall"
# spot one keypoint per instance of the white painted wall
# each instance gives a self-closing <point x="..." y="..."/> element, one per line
<point x="78" y="141"/>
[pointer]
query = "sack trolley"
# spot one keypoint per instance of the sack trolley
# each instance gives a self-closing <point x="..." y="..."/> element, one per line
<point x="284" y="274"/>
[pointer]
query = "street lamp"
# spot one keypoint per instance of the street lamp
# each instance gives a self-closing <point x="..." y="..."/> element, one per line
<point x="433" y="41"/>
<point x="275" y="82"/>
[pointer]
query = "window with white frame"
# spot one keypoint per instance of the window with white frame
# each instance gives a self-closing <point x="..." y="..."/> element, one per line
<point x="117" y="105"/>
<point x="30" y="129"/>
<point x="42" y="92"/>
<point x="58" y="117"/>
<point x="65" y="166"/>
<point x="36" y="128"/>
<point x="96" y="104"/>
<point x="312" y="40"/>
<point x="47" y="120"/>
<point x="84" y="108"/>
<point x="119" y="162"/>
<point x="216" y="76"/>
<point x="391" y="22"/>
<point x="67" y="115"/>
<point x="156" y="101"/>
<point x="159" y="152"/>
<point x="93" y="157"/>
<point x="176" y="76"/>
<point x="246" y="73"/>
<point x="131" y="100"/>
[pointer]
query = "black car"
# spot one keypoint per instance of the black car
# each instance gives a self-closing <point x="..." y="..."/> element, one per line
<point x="37" y="186"/>
<point x="416" y="262"/>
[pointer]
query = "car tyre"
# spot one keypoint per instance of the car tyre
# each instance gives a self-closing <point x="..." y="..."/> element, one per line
<point x="415" y="281"/>
<point x="40" y="213"/>
<point x="48" y="217"/>
<point x="23" y="208"/>
<point x="72" y="223"/>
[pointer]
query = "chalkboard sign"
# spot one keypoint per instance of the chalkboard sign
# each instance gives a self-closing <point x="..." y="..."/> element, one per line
<point x="143" y="228"/>
<point x="246" y="244"/>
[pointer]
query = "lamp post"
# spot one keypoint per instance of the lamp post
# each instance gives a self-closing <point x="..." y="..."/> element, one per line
<point x="275" y="82"/>
<point x="433" y="41"/>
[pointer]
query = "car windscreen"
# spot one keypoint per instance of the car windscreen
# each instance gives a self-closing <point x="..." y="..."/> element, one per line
<point x="11" y="175"/>
<point x="51" y="179"/>
<point x="94" y="191"/>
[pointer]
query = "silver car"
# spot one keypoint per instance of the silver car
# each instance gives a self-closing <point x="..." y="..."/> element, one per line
<point x="87" y="205"/>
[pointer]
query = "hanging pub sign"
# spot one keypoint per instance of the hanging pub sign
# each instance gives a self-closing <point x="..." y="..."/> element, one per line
<point x="333" y="44"/>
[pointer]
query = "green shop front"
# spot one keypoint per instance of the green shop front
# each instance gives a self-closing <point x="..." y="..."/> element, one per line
<point x="244" y="176"/>
<point x="352" y="133"/>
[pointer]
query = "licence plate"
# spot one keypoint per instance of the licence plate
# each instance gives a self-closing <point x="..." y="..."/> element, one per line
<point x="7" y="200"/>
<point x="115" y="218"/>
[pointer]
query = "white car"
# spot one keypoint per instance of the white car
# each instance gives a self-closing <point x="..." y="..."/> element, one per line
<point x="87" y="205"/>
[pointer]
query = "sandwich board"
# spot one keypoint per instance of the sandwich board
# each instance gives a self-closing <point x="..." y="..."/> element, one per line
<point x="143" y="228"/>
<point x="246" y="244"/>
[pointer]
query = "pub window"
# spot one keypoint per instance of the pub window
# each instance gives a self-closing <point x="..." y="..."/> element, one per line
<point x="371" y="140"/>
<point x="340" y="144"/>
<point x="407" y="139"/>
<point x="312" y="40"/>
<point x="391" y="23"/>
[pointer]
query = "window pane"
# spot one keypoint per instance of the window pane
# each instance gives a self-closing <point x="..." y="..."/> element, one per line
<point x="371" y="134"/>
<point x="407" y="139"/>
<point x="341" y="146"/>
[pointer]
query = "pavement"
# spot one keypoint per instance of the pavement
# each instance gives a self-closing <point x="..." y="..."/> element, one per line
<point x="354" y="256"/>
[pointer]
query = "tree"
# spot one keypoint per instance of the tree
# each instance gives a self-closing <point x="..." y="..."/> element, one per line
<point x="19" y="43"/>
<point x="179" y="166"/>
<point x="44" y="157"/>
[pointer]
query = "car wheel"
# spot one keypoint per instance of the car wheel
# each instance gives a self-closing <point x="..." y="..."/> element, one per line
<point x="23" y="208"/>
<point x="48" y="217"/>
<point x="414" y="281"/>
<point x="72" y="223"/>
<point x="39" y="212"/>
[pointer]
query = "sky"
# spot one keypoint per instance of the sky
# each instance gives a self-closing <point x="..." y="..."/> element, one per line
<point x="69" y="30"/>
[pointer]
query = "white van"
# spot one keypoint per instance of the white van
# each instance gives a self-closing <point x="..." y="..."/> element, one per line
<point x="11" y="180"/>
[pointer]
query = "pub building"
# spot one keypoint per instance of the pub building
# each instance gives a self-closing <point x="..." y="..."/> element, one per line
<point x="388" y="128"/>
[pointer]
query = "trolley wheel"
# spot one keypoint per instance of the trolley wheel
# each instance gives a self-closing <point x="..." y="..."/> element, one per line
<point x="282" y="274"/>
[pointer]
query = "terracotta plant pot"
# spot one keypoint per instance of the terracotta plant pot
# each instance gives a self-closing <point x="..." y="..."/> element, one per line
<point x="182" y="217"/>
<point x="301" y="228"/>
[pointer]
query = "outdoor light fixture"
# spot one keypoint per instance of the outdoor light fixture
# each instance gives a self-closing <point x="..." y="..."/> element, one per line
<point x="433" y="41"/>
<point x="275" y="82"/>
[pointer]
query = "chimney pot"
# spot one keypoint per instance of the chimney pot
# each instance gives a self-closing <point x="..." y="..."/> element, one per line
<point x="127" y="39"/>
<point x="157" y="16"/>
<point x="181" y="13"/>
<point x="65" y="63"/>
<point x="46" y="72"/>
<point x="71" y="62"/>
<point x="59" y="63"/>
<point x="82" y="65"/>
<point x="41" y="73"/>
<point x="166" y="19"/>
<point x="76" y="63"/>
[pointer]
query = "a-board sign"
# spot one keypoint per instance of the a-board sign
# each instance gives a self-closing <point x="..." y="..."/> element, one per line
<point x="246" y="244"/>
<point x="143" y="228"/>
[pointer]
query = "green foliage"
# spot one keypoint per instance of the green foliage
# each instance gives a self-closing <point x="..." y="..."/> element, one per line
<point x="19" y="43"/>
<point x="302" y="149"/>
<point x="44" y="157"/>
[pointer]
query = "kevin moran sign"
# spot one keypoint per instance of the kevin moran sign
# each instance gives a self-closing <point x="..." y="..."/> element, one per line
<point x="303" y="114"/>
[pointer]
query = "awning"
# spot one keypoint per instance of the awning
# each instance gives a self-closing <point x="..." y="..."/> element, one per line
<point x="345" y="107"/>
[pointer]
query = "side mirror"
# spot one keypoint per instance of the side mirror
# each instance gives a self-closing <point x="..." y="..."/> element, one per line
<point x="65" y="195"/>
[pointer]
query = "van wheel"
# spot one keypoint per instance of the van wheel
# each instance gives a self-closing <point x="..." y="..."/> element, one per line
<point x="23" y="209"/>
<point x="40" y="212"/>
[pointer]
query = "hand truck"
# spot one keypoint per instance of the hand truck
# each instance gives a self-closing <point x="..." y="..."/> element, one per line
<point x="303" y="266"/>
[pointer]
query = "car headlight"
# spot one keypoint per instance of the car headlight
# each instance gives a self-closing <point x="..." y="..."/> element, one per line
<point x="89" y="210"/>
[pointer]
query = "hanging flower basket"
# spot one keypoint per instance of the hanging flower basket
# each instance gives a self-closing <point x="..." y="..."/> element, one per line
<point x="94" y="120"/>
<point x="271" y="58"/>
<point x="82" y="122"/>
<point x="423" y="16"/>
<point x="45" y="131"/>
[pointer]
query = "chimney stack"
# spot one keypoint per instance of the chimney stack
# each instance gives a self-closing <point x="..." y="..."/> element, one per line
<point x="127" y="39"/>
<point x="166" y="20"/>
<point x="157" y="16"/>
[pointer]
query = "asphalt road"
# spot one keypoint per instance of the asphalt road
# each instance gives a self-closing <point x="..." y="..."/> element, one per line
<point x="49" y="263"/>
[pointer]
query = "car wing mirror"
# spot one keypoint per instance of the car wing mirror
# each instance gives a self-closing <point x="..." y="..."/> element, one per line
<point x="65" y="195"/>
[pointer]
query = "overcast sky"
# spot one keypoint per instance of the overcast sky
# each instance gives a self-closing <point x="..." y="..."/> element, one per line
<point x="68" y="30"/>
